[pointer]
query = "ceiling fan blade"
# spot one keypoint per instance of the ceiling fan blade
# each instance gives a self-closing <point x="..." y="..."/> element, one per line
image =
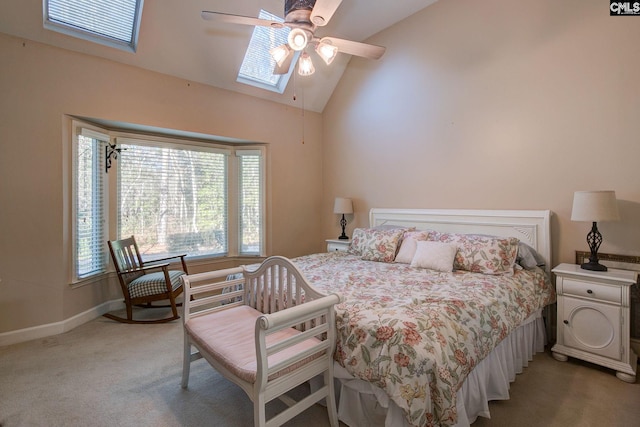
<point x="239" y="19"/>
<point x="369" y="51"/>
<point x="323" y="11"/>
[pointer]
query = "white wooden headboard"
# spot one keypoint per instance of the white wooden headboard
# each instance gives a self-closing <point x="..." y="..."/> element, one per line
<point x="531" y="227"/>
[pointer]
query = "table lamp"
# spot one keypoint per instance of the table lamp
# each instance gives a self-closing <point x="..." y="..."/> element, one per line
<point x="594" y="206"/>
<point x="343" y="206"/>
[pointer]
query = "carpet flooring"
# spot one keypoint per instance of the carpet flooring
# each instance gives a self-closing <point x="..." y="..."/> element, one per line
<point x="105" y="373"/>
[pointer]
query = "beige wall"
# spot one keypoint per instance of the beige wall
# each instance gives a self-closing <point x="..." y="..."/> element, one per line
<point x="493" y="104"/>
<point x="39" y="85"/>
<point x="476" y="104"/>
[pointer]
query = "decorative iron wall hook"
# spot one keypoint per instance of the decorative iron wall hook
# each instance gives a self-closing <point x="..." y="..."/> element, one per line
<point x="110" y="150"/>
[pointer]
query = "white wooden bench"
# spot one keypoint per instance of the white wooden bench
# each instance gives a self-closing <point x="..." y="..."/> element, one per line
<point x="268" y="333"/>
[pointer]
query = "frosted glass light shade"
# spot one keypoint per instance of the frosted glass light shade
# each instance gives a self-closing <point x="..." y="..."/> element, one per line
<point x="327" y="52"/>
<point x="305" y="65"/>
<point x="280" y="53"/>
<point x="595" y="206"/>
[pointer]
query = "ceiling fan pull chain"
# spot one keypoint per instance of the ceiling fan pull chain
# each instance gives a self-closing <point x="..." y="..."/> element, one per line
<point x="295" y="86"/>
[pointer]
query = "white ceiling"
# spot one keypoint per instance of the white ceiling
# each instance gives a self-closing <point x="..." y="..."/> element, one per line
<point x="175" y="40"/>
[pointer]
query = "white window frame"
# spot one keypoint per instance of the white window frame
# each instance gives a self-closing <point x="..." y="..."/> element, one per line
<point x="92" y="36"/>
<point x="163" y="142"/>
<point x="283" y="79"/>
<point x="111" y="200"/>
<point x="99" y="134"/>
<point x="261" y="152"/>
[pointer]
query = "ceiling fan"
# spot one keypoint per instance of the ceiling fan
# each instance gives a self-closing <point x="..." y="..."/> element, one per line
<point x="303" y="17"/>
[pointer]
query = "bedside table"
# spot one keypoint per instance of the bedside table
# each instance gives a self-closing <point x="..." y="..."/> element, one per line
<point x="337" y="245"/>
<point x="594" y="318"/>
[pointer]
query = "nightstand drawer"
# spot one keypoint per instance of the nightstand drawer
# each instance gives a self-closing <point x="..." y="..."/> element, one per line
<point x="592" y="290"/>
<point x="338" y="245"/>
<point x="332" y="247"/>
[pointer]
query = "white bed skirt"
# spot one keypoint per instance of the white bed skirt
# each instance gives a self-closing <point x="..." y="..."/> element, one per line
<point x="362" y="405"/>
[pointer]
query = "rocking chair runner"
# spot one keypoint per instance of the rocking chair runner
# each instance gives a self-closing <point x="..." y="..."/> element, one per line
<point x="145" y="282"/>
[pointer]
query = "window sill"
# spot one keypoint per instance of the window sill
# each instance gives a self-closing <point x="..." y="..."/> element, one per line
<point x="199" y="263"/>
<point x="98" y="278"/>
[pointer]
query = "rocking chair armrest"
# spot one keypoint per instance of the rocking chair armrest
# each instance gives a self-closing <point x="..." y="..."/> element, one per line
<point x="146" y="267"/>
<point x="182" y="261"/>
<point x="167" y="258"/>
<point x="162" y="266"/>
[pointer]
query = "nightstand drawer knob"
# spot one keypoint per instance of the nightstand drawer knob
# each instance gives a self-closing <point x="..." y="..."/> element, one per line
<point x="566" y="322"/>
<point x="589" y="291"/>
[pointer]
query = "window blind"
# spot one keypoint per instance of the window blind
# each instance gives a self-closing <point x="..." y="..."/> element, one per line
<point x="174" y="195"/>
<point x="258" y="64"/>
<point x="250" y="203"/>
<point x="173" y="200"/>
<point x="116" y="20"/>
<point x="89" y="205"/>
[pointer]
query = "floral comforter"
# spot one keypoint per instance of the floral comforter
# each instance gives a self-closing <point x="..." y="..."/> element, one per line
<point x="417" y="333"/>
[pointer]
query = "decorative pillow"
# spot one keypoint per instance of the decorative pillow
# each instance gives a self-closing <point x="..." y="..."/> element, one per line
<point x="482" y="254"/>
<point x="359" y="238"/>
<point x="434" y="256"/>
<point x="408" y="246"/>
<point x="376" y="245"/>
<point x="528" y="257"/>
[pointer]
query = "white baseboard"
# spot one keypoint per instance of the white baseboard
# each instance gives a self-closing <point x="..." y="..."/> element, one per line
<point x="42" y="331"/>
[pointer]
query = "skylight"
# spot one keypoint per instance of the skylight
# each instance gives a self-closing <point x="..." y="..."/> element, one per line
<point x="113" y="23"/>
<point x="258" y="65"/>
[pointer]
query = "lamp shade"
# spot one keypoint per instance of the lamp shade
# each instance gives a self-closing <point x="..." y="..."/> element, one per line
<point x="342" y="206"/>
<point x="595" y="206"/>
<point x="280" y="53"/>
<point x="327" y="51"/>
<point x="305" y="65"/>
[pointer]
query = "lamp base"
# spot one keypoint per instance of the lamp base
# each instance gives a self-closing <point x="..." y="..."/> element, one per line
<point x="594" y="238"/>
<point x="593" y="266"/>
<point x="343" y="223"/>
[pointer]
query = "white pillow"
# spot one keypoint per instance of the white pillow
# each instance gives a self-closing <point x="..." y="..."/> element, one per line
<point x="434" y="256"/>
<point x="408" y="246"/>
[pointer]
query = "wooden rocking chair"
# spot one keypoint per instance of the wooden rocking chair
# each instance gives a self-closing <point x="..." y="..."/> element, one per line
<point x="145" y="282"/>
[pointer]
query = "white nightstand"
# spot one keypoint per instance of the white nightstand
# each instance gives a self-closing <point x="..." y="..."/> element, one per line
<point x="593" y="318"/>
<point x="337" y="245"/>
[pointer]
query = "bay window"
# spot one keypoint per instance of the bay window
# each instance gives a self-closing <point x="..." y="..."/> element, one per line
<point x="175" y="196"/>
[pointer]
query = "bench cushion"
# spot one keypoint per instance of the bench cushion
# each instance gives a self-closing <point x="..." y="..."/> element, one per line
<point x="229" y="336"/>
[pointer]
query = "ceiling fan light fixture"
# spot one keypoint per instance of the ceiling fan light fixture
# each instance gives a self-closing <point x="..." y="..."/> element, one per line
<point x="298" y="39"/>
<point x="305" y="65"/>
<point x="327" y="52"/>
<point x="280" y="53"/>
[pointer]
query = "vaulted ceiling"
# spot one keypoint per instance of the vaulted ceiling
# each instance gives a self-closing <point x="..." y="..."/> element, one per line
<point x="175" y="40"/>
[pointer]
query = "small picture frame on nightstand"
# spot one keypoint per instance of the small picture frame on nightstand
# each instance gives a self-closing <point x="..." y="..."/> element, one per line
<point x="622" y="262"/>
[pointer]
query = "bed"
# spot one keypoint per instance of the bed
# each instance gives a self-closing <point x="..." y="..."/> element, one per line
<point x="422" y="346"/>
